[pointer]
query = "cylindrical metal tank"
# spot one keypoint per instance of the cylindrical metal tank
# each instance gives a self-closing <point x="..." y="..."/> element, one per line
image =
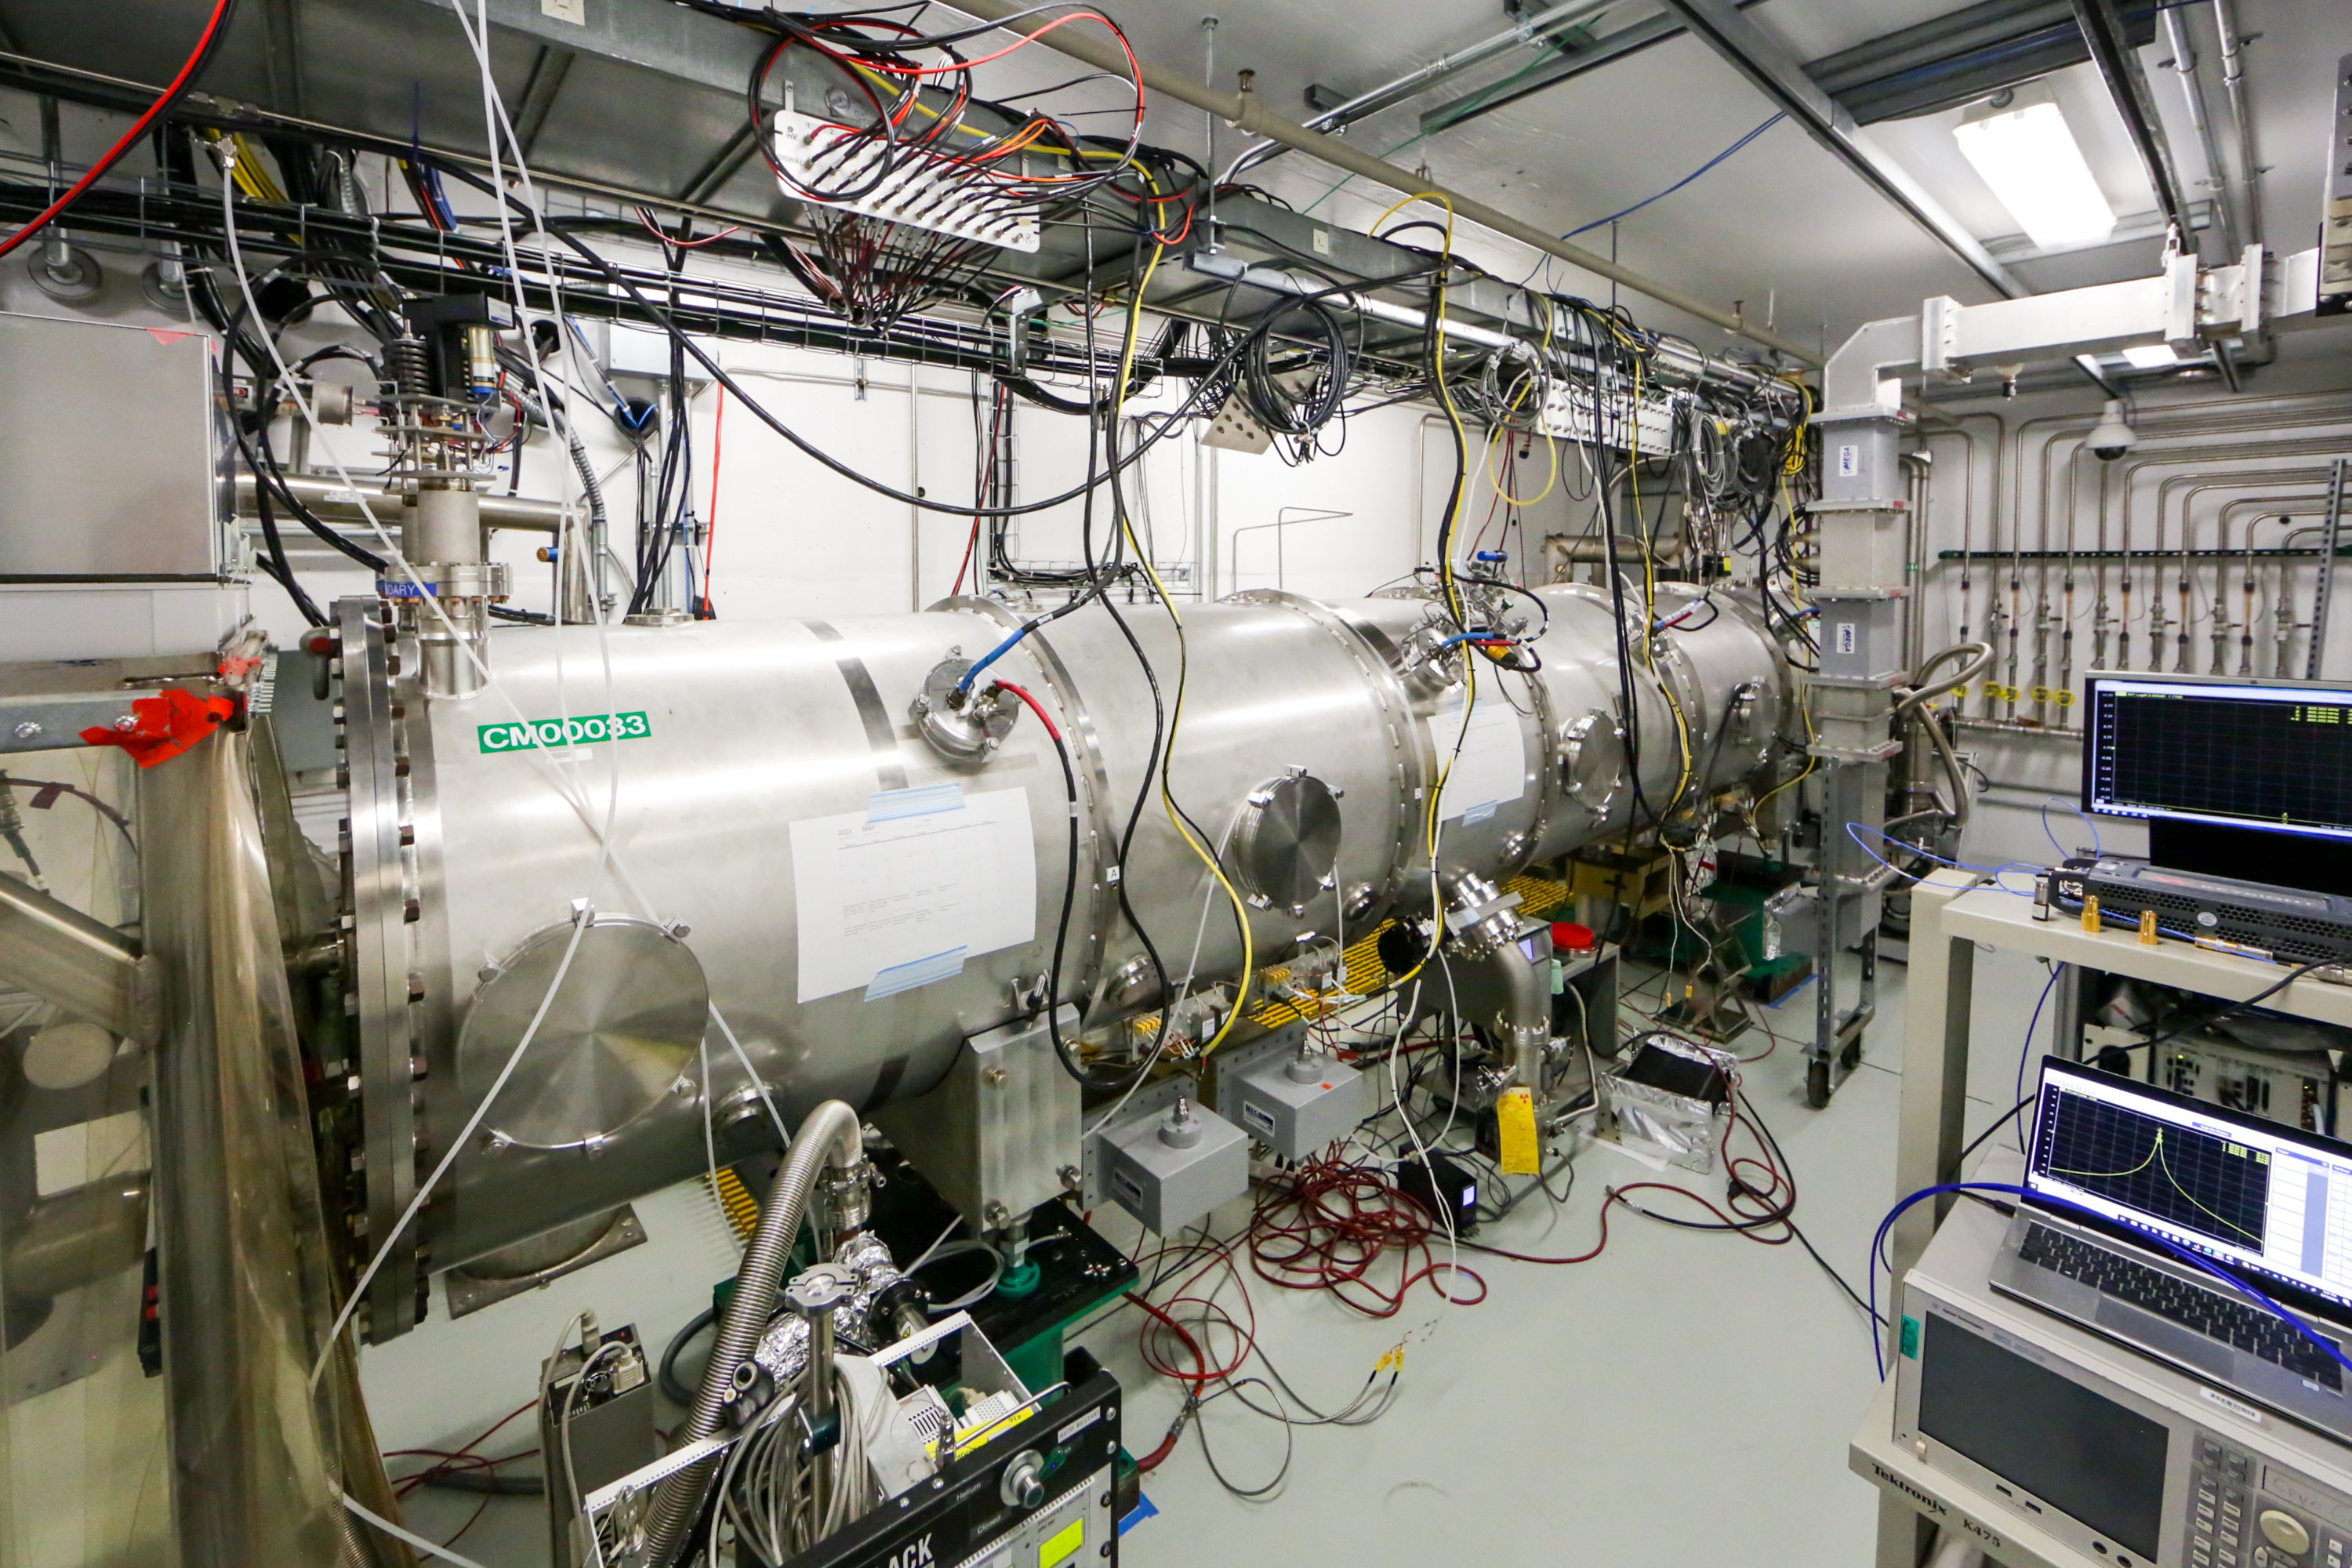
<point x="789" y="855"/>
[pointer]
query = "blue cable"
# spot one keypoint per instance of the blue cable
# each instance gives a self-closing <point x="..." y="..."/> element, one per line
<point x="2185" y="1254"/>
<point x="1679" y="184"/>
<point x="2096" y="849"/>
<point x="2027" y="1050"/>
<point x="1855" y="831"/>
<point x="1000" y="650"/>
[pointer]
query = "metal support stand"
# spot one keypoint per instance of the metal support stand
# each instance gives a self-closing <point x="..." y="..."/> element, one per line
<point x="2322" y="593"/>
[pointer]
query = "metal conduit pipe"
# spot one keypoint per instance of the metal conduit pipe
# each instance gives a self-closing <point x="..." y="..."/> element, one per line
<point x="1244" y="112"/>
<point x="2193" y="486"/>
<point x="2208" y="421"/>
<point x="829" y="1134"/>
<point x="1372" y="101"/>
<point x="2242" y="120"/>
<point x="2192" y="88"/>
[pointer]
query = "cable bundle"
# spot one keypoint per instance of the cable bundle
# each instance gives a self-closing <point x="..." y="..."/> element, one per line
<point x="897" y="116"/>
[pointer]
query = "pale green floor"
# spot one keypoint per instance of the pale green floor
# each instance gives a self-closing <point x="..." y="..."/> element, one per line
<point x="1685" y="1397"/>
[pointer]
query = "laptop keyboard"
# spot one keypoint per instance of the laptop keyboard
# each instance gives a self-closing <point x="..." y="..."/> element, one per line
<point x="2209" y="1312"/>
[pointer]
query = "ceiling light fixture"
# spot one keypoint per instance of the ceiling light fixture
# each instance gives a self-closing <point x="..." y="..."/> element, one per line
<point x="2019" y="143"/>
<point x="2150" y="356"/>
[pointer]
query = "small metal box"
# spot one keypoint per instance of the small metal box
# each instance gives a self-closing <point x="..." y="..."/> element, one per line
<point x="1167" y="1173"/>
<point x="603" y="1423"/>
<point x="111" y="446"/>
<point x="998" y="1131"/>
<point x="1292" y="1115"/>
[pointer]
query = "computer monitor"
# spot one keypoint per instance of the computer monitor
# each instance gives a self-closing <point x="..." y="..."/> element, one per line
<point x="2235" y="778"/>
<point x="2270" y="1201"/>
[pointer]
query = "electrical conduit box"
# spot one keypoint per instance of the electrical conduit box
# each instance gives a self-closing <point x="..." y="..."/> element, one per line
<point x="1296" y="1103"/>
<point x="1167" y="1160"/>
<point x="998" y="1134"/>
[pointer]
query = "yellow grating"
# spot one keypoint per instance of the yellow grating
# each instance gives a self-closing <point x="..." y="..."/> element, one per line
<point x="1368" y="976"/>
<point x="735" y="1201"/>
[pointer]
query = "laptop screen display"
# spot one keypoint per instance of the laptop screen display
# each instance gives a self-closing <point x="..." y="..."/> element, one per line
<point x="2270" y="1201"/>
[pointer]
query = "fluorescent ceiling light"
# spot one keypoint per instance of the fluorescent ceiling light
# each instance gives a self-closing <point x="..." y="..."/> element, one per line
<point x="2026" y="153"/>
<point x="2151" y="356"/>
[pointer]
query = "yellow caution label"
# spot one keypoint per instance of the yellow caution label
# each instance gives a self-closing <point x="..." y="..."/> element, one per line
<point x="1514" y="1121"/>
<point x="1064" y="1544"/>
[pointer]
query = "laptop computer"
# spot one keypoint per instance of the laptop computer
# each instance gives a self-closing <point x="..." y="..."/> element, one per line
<point x="2271" y="1202"/>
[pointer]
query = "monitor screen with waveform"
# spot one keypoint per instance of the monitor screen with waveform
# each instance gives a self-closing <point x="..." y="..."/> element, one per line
<point x="2215" y="1187"/>
<point x="2270" y="1200"/>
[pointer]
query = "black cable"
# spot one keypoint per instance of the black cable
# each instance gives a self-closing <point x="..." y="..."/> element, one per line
<point x="669" y="323"/>
<point x="1070" y="1063"/>
<point x="279" y="567"/>
<point x="671" y="1384"/>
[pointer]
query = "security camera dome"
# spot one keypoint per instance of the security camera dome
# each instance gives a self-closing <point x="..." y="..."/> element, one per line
<point x="2111" y="438"/>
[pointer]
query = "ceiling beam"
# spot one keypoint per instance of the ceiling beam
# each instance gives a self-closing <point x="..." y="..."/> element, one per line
<point x="2119" y="63"/>
<point x="281" y="55"/>
<point x="712" y="178"/>
<point x="1569" y="64"/>
<point x="1938" y="64"/>
<point x="548" y="69"/>
<point x="1777" y="74"/>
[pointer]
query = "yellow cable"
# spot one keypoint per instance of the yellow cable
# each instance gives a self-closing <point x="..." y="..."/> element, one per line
<point x="1176" y="712"/>
<point x="1433" y="823"/>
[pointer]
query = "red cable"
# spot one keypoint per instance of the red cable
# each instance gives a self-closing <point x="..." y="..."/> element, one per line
<point x="1043" y="717"/>
<point x="666" y="237"/>
<point x="968" y="546"/>
<point x="1017" y="43"/>
<point x="138" y="129"/>
<point x="710" y="539"/>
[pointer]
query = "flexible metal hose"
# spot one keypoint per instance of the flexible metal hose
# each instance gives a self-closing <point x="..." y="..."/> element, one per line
<point x="831" y="1132"/>
<point x="1978" y="658"/>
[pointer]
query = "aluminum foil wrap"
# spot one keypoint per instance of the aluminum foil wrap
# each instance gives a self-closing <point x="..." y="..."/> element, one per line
<point x="1671" y="1100"/>
<point x="783" y="1350"/>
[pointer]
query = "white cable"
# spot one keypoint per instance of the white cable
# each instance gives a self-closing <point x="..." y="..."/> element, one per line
<point x="353" y="1505"/>
<point x="581" y="917"/>
<point x="495" y="115"/>
<point x="759" y="1083"/>
<point x="940" y="1241"/>
<point x="1168" y="1014"/>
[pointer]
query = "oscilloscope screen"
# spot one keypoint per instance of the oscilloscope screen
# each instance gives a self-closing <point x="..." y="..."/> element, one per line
<point x="2278" y="757"/>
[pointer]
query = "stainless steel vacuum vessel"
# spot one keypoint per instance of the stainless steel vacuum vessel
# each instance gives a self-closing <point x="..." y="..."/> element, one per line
<point x="786" y="846"/>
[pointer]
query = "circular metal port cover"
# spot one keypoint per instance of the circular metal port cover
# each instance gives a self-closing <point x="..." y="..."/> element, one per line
<point x="616" y="1038"/>
<point x="1592" y="760"/>
<point x="1286" y="844"/>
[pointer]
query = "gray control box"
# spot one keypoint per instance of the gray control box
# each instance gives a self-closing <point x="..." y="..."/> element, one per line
<point x="1168" y="1172"/>
<point x="1297" y="1106"/>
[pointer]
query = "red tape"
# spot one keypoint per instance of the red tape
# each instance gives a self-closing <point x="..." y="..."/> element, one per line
<point x="165" y="725"/>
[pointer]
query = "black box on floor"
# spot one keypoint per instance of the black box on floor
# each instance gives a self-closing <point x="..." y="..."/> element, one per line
<point x="1442" y="1186"/>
